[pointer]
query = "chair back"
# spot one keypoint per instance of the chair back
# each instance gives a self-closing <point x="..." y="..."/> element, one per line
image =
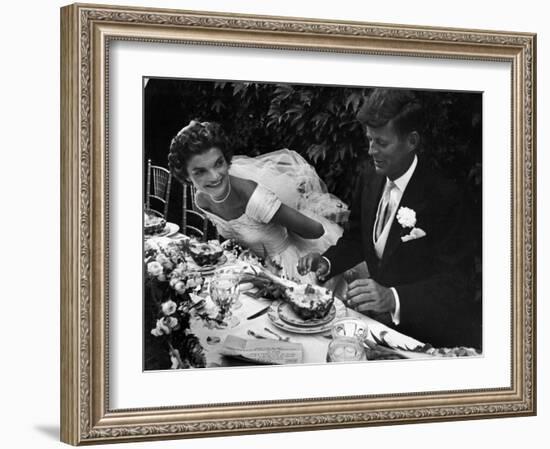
<point x="194" y="221"/>
<point x="159" y="182"/>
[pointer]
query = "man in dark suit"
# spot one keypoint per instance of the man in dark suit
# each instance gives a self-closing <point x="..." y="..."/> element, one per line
<point x="411" y="226"/>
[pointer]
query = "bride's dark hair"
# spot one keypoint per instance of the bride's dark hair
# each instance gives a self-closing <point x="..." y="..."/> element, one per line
<point x="195" y="138"/>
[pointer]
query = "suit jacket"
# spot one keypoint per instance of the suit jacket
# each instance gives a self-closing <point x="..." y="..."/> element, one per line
<point x="430" y="274"/>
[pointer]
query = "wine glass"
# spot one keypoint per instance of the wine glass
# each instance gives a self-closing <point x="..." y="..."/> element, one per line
<point x="233" y="269"/>
<point x="224" y="290"/>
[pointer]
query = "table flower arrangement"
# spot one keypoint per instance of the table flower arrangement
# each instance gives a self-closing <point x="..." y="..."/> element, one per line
<point x="168" y="307"/>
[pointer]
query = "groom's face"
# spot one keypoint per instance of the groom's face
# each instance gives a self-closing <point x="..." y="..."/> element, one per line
<point x="391" y="152"/>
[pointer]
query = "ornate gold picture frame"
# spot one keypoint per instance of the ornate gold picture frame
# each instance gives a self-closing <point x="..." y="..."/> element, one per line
<point x="87" y="33"/>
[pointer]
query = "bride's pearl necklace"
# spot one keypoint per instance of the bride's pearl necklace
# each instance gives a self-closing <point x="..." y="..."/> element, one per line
<point x="214" y="200"/>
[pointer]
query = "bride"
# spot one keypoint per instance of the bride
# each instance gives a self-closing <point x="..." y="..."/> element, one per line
<point x="270" y="204"/>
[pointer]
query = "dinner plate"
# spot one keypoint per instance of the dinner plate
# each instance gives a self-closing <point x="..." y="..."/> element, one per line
<point x="289" y="316"/>
<point x="274" y="316"/>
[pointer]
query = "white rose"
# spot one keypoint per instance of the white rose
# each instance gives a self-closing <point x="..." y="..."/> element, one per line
<point x="171" y="322"/>
<point x="169" y="307"/>
<point x="180" y="287"/>
<point x="161" y="329"/>
<point x="165" y="326"/>
<point x="156" y="332"/>
<point x="173" y="281"/>
<point x="406" y="217"/>
<point x="154" y="268"/>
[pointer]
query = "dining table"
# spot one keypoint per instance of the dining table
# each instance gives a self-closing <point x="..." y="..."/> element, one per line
<point x="258" y="319"/>
<point x="261" y="322"/>
<point x="315" y="345"/>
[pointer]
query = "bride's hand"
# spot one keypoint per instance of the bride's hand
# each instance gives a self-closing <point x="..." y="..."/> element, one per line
<point x="312" y="262"/>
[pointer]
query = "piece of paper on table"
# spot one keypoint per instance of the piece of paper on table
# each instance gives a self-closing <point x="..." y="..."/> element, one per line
<point x="266" y="351"/>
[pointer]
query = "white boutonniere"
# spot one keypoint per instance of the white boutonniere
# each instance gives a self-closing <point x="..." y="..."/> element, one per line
<point x="406" y="217"/>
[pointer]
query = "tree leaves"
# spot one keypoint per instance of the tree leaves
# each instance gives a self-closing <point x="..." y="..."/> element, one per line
<point x="318" y="122"/>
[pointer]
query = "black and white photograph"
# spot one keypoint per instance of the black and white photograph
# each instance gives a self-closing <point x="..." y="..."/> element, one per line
<point x="293" y="224"/>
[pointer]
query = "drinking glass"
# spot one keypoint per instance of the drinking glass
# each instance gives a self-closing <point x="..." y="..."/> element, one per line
<point x="224" y="290"/>
<point x="235" y="270"/>
<point x="347" y="341"/>
<point x="345" y="349"/>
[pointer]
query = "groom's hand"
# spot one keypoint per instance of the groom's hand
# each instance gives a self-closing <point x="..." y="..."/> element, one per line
<point x="367" y="294"/>
<point x="312" y="262"/>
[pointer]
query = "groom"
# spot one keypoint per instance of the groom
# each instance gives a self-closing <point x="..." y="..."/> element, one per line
<point x="411" y="227"/>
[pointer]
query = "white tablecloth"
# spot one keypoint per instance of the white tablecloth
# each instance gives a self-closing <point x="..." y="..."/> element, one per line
<point x="315" y="345"/>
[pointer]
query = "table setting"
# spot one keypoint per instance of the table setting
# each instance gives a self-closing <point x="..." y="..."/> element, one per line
<point x="212" y="304"/>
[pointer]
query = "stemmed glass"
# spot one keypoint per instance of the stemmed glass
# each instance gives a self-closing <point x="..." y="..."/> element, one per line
<point x="224" y="290"/>
<point x="236" y="271"/>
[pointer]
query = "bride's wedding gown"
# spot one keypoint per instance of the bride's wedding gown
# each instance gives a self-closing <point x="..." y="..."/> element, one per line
<point x="283" y="177"/>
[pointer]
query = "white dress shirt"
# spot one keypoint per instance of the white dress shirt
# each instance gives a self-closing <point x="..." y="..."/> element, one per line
<point x="380" y="244"/>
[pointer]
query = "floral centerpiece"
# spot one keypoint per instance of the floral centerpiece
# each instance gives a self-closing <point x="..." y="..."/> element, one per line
<point x="169" y="287"/>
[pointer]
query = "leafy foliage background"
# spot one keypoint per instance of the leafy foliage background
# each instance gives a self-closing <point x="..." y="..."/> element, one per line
<point x="316" y="121"/>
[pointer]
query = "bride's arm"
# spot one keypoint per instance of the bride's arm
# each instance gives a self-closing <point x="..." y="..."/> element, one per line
<point x="262" y="203"/>
<point x="298" y="223"/>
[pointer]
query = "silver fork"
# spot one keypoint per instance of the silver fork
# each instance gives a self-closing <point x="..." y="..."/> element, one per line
<point x="254" y="334"/>
<point x="280" y="337"/>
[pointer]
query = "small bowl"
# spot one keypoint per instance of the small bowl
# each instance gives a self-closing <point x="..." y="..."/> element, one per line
<point x="157" y="222"/>
<point x="303" y="307"/>
<point x="205" y="254"/>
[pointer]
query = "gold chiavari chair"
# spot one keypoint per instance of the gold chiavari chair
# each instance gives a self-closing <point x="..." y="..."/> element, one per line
<point x="159" y="182"/>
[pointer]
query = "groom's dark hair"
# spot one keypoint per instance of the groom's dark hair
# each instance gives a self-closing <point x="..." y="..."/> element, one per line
<point x="400" y="105"/>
